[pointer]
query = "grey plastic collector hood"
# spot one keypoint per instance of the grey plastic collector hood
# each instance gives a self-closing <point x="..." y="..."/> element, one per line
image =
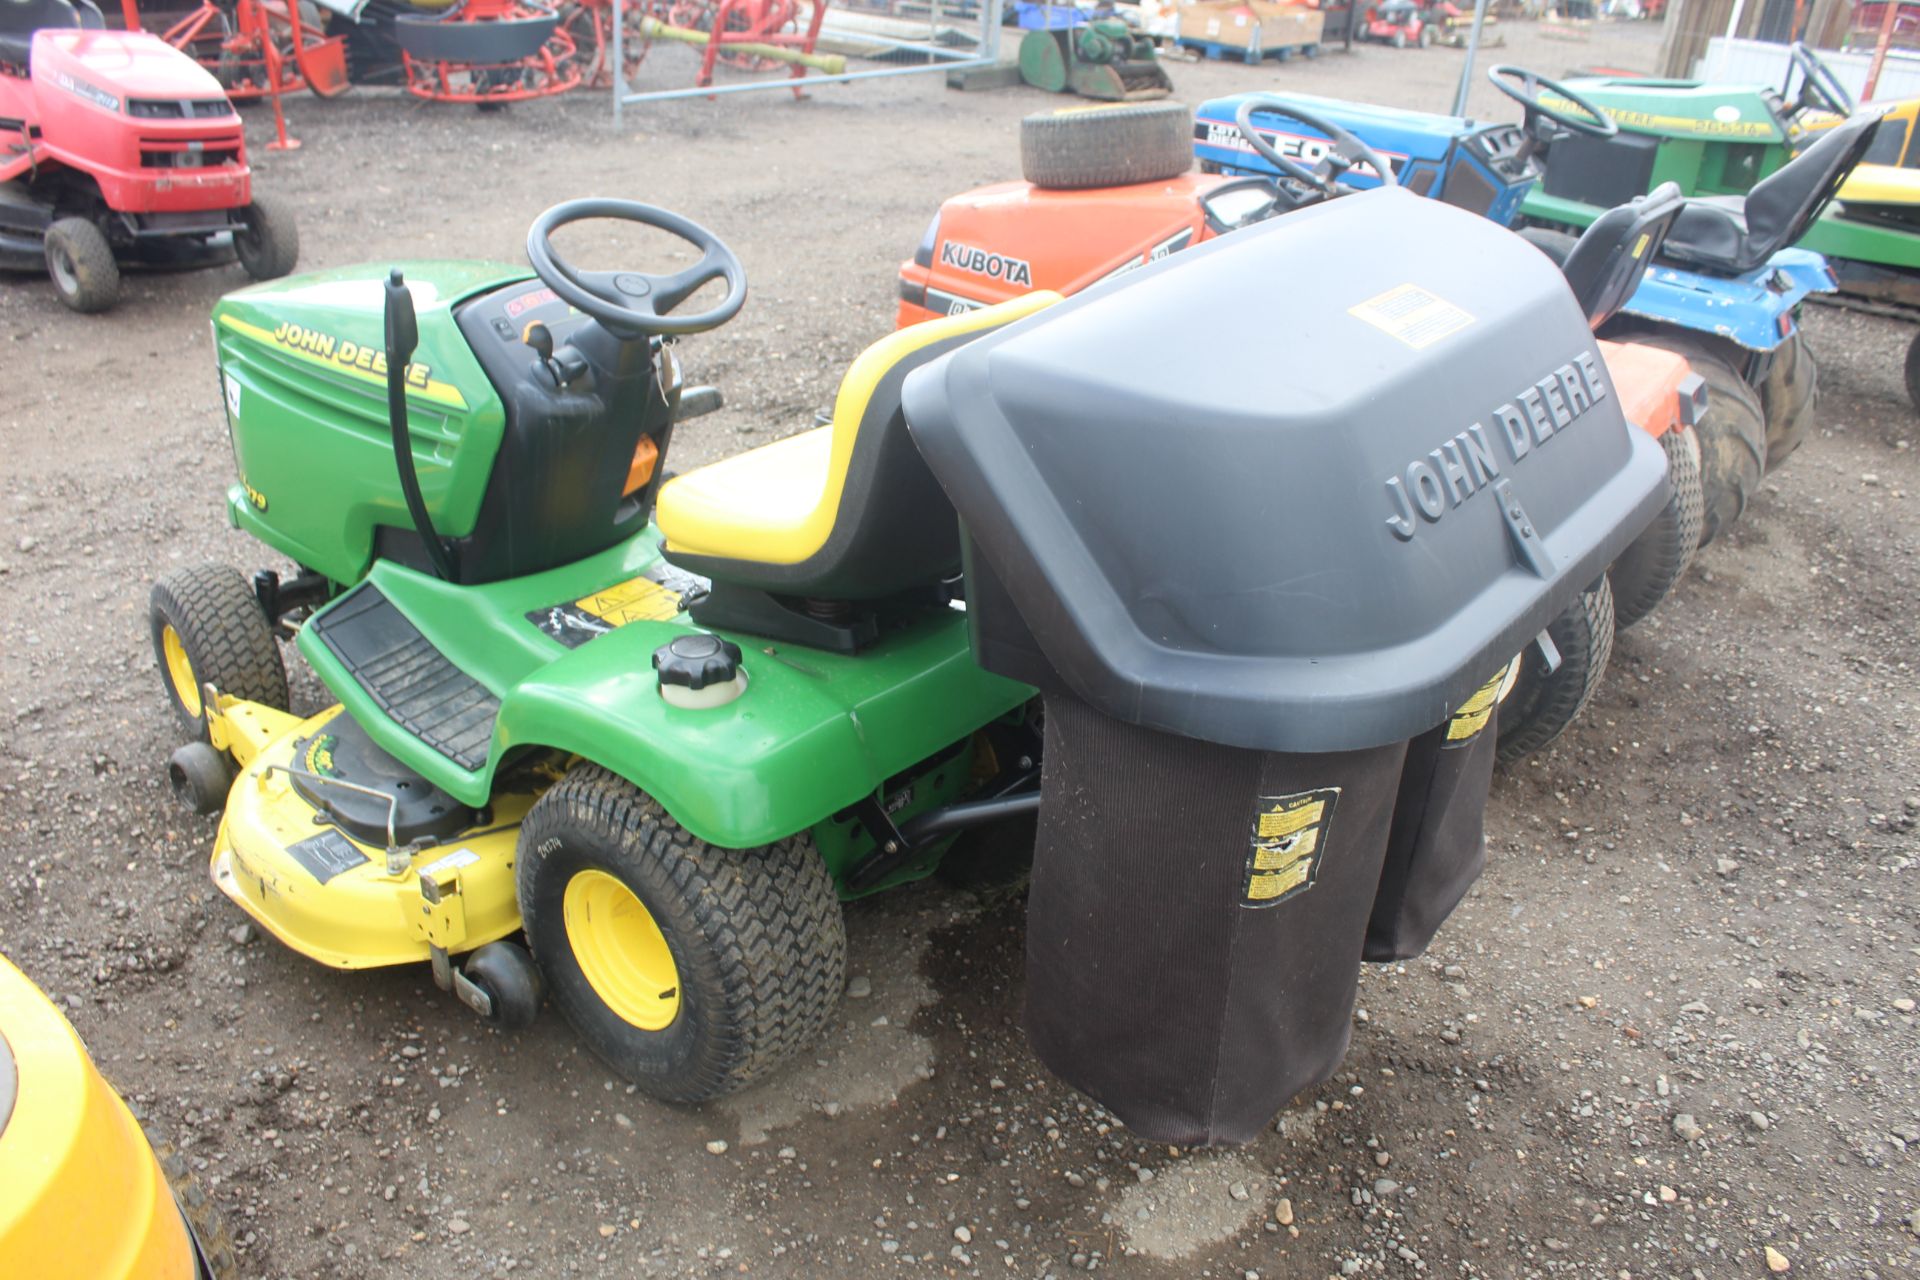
<point x="1303" y="488"/>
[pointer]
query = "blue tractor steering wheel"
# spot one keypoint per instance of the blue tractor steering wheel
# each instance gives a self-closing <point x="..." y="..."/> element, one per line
<point x="1345" y="152"/>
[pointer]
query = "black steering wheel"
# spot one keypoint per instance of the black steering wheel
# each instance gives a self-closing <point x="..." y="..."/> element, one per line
<point x="1595" y="124"/>
<point x="633" y="302"/>
<point x="1346" y="150"/>
<point x="1819" y="87"/>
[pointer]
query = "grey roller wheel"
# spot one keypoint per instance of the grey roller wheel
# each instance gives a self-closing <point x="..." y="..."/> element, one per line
<point x="1650" y="566"/>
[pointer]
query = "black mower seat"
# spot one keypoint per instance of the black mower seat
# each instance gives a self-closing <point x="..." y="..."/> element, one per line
<point x="1731" y="235"/>
<point x="843" y="512"/>
<point x="19" y="19"/>
<point x="1610" y="259"/>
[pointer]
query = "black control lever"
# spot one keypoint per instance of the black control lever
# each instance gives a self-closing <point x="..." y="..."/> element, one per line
<point x="403" y="336"/>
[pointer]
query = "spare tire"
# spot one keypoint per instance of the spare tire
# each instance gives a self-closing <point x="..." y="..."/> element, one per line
<point x="1111" y="146"/>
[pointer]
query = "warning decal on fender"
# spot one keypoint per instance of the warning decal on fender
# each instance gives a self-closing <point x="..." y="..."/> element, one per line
<point x="1413" y="315"/>
<point x="1289" y="837"/>
<point x="655" y="596"/>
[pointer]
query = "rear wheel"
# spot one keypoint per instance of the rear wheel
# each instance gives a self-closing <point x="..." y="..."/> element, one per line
<point x="1647" y="570"/>
<point x="1541" y="705"/>
<point x="1732" y="436"/>
<point x="80" y="263"/>
<point x="1106" y="146"/>
<point x="1791" y="388"/>
<point x="1913" y="372"/>
<point x="208" y="628"/>
<point x="690" y="970"/>
<point x="266" y="239"/>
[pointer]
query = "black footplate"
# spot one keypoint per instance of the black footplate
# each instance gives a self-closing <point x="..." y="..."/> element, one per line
<point x="413" y="682"/>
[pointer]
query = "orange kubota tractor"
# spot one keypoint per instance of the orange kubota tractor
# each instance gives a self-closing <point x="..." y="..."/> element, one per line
<point x="1108" y="190"/>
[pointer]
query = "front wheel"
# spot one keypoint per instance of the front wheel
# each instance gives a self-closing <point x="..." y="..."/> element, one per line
<point x="207" y="628"/>
<point x="80" y="263"/>
<point x="266" y="240"/>
<point x="689" y="969"/>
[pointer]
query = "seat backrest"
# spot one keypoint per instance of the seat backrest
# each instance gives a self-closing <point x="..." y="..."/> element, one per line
<point x="24" y="17"/>
<point x="893" y="527"/>
<point x="1610" y="259"/>
<point x="1781" y="206"/>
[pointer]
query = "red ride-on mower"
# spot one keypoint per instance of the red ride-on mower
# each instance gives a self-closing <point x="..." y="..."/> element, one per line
<point x="117" y="150"/>
<point x="1400" y="23"/>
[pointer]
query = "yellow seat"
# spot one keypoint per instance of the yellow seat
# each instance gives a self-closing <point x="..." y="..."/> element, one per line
<point x="847" y="511"/>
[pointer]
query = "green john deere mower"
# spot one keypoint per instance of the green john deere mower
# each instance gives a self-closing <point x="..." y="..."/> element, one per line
<point x="662" y="727"/>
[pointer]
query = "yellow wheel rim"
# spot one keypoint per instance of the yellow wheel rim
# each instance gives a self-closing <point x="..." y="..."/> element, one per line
<point x="621" y="951"/>
<point x="180" y="671"/>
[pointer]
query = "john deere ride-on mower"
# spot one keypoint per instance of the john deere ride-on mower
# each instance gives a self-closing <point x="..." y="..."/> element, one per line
<point x="662" y="726"/>
<point x="1732" y="145"/>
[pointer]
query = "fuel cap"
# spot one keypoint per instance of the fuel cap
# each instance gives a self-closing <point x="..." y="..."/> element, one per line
<point x="697" y="660"/>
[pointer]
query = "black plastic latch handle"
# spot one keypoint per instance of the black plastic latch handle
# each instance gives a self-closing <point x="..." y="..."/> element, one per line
<point x="403" y="329"/>
<point x="1532" y="552"/>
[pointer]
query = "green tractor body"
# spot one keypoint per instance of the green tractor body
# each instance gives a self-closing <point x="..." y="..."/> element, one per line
<point x="303" y="367"/>
<point x="1721" y="140"/>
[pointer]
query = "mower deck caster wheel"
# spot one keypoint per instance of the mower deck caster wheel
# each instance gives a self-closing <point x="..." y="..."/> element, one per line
<point x="200" y="777"/>
<point x="80" y="262"/>
<point x="511" y="981"/>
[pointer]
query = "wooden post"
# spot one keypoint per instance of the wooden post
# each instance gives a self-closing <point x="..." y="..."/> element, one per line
<point x="1880" y="50"/>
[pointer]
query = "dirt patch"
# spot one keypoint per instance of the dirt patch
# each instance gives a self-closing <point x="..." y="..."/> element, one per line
<point x="1672" y="1026"/>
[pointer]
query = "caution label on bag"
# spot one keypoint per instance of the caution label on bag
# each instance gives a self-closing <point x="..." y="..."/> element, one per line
<point x="1289" y="837"/>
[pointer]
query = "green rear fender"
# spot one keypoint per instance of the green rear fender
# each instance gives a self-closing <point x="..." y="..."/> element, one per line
<point x="813" y="733"/>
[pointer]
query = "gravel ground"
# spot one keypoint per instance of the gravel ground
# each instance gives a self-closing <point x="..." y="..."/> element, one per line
<point x="1672" y="1033"/>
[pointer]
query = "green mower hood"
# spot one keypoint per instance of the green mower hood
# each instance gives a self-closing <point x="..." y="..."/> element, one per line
<point x="1683" y="108"/>
<point x="303" y="367"/>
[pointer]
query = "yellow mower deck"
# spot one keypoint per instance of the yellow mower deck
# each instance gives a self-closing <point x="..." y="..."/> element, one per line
<point x="334" y="898"/>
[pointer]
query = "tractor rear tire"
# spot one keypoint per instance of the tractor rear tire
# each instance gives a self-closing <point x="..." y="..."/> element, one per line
<point x="1653" y="562"/>
<point x="1113" y="146"/>
<point x="267" y="239"/>
<point x="80" y="263"/>
<point x="1732" y="435"/>
<point x="1788" y="395"/>
<point x="208" y="628"/>
<point x="1541" y="705"/>
<point x="690" y="970"/>
<point x="1912" y="371"/>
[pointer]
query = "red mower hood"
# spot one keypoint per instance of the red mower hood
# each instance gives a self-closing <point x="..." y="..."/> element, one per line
<point x="122" y="65"/>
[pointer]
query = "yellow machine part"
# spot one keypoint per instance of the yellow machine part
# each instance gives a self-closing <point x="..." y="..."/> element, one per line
<point x="362" y="917"/>
<point x="81" y="1194"/>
